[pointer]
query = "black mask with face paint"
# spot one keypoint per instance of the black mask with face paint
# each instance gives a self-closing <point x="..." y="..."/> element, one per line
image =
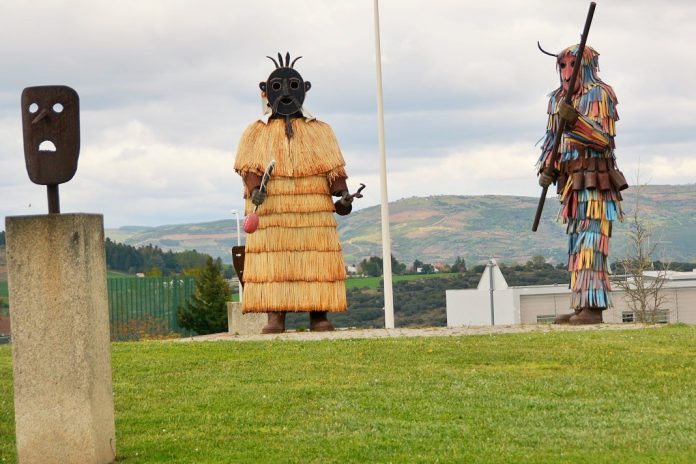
<point x="285" y="90"/>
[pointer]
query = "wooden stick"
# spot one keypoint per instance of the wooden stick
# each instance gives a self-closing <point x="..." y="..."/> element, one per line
<point x="561" y="124"/>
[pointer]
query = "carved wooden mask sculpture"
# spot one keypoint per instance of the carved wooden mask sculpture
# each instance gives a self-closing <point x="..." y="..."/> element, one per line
<point x="51" y="125"/>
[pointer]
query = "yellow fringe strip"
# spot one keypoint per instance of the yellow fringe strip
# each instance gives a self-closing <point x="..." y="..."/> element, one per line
<point x="283" y="266"/>
<point x="318" y="219"/>
<point x="298" y="186"/>
<point x="309" y="203"/>
<point x="294" y="239"/>
<point x="312" y="150"/>
<point x="294" y="296"/>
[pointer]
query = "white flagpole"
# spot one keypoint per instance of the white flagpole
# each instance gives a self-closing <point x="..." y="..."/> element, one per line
<point x="386" y="239"/>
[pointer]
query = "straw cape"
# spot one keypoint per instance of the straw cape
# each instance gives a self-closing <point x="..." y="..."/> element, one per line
<point x="294" y="260"/>
<point x="589" y="211"/>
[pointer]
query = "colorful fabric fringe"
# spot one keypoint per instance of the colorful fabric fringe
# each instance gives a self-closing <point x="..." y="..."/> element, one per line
<point x="294" y="260"/>
<point x="587" y="212"/>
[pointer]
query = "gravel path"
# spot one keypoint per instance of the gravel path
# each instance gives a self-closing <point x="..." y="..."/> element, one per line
<point x="423" y="332"/>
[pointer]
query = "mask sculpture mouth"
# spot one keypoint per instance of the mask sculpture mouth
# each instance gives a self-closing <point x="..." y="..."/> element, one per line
<point x="47" y="147"/>
<point x="286" y="106"/>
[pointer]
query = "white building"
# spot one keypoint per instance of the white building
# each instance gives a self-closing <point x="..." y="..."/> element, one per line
<point x="493" y="302"/>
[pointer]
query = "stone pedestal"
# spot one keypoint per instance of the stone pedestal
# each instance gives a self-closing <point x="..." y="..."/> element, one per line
<point x="61" y="352"/>
<point x="244" y="324"/>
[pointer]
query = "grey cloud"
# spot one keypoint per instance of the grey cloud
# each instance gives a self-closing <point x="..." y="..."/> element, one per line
<point x="175" y="83"/>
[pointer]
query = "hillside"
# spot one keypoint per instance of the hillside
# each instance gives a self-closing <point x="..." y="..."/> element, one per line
<point x="439" y="228"/>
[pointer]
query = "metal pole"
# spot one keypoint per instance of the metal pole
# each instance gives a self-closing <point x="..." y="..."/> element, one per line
<point x="239" y="243"/>
<point x="386" y="238"/>
<point x="490" y="280"/>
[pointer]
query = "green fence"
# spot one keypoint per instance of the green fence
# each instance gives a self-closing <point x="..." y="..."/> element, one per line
<point x="145" y="307"/>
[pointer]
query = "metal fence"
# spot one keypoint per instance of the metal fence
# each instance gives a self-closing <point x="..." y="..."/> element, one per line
<point x="146" y="307"/>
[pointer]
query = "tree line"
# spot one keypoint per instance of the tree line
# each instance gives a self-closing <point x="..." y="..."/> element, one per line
<point x="2" y="238"/>
<point x="374" y="265"/>
<point x="151" y="259"/>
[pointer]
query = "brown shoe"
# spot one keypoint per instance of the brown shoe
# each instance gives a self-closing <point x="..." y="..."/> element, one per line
<point x="318" y="322"/>
<point x="563" y="318"/>
<point x="276" y="323"/>
<point x="587" y="316"/>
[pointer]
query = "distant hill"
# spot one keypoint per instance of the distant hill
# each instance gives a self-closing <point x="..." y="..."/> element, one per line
<point x="440" y="228"/>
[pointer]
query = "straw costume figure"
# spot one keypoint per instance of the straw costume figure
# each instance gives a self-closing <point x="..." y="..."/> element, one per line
<point x="587" y="179"/>
<point x="293" y="261"/>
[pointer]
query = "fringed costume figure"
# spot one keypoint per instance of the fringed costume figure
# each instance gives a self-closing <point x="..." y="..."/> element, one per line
<point x="293" y="261"/>
<point x="587" y="179"/>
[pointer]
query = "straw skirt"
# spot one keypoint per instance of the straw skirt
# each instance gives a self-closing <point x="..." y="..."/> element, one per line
<point x="294" y="260"/>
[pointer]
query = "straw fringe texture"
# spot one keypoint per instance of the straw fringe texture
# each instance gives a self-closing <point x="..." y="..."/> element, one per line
<point x="294" y="296"/>
<point x="287" y="266"/>
<point x="308" y="203"/>
<point x="298" y="186"/>
<point x="295" y="239"/>
<point x="293" y="260"/>
<point x="318" y="219"/>
<point x="312" y="150"/>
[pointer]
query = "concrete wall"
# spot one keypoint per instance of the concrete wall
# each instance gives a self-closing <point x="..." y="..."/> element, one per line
<point x="473" y="307"/>
<point x="468" y="307"/>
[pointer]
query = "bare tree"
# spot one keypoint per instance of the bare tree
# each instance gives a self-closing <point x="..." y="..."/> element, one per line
<point x="643" y="293"/>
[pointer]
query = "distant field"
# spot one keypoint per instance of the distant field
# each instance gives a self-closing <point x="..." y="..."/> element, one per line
<point x="117" y="274"/>
<point x="373" y="282"/>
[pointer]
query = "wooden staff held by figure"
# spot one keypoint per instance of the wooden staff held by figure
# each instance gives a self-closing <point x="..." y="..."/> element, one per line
<point x="550" y="169"/>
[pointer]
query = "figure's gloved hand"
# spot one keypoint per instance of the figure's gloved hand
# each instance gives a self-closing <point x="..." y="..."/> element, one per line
<point x="258" y="197"/>
<point x="346" y="198"/>
<point x="547" y="177"/>
<point x="568" y="113"/>
<point x="344" y="205"/>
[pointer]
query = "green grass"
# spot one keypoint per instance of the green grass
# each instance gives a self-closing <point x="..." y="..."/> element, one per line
<point x="587" y="397"/>
<point x="373" y="282"/>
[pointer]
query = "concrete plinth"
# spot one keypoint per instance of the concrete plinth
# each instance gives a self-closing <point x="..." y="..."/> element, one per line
<point x="61" y="352"/>
<point x="244" y="324"/>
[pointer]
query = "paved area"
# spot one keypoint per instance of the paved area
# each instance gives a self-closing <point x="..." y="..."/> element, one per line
<point x="414" y="332"/>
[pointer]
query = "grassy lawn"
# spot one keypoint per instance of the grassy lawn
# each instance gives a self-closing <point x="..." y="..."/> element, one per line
<point x="590" y="397"/>
<point x="373" y="282"/>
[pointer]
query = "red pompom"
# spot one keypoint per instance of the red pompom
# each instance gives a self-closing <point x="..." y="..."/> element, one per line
<point x="251" y="223"/>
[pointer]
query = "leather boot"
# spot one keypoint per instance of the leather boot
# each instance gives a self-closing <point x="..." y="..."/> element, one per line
<point x="318" y="322"/>
<point x="563" y="318"/>
<point x="587" y="316"/>
<point x="276" y="323"/>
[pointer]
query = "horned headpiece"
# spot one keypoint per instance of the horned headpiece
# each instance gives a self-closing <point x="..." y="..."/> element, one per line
<point x="287" y="63"/>
<point x="590" y="61"/>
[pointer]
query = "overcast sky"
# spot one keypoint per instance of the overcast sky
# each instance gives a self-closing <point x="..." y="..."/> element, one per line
<point x="167" y="87"/>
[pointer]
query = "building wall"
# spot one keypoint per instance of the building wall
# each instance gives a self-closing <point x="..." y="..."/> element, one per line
<point x="530" y="305"/>
<point x="680" y="305"/>
<point x="473" y="307"/>
<point x="685" y="306"/>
